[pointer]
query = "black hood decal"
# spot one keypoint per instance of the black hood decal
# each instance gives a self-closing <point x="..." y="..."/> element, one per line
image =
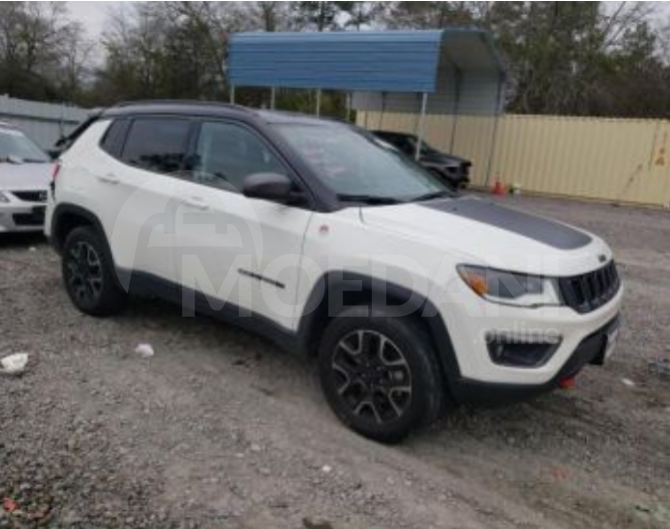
<point x="542" y="230"/>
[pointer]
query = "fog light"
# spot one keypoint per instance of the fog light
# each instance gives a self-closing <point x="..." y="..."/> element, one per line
<point x="513" y="352"/>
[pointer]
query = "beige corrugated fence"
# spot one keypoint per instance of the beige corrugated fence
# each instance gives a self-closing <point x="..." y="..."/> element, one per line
<point x="616" y="160"/>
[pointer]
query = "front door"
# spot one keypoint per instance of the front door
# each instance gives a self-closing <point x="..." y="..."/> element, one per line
<point x="237" y="251"/>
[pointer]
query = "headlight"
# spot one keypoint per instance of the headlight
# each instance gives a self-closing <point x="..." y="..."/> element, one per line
<point x="4" y="199"/>
<point x="510" y="288"/>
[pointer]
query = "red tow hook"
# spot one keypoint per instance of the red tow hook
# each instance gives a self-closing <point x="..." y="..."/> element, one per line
<point x="568" y="383"/>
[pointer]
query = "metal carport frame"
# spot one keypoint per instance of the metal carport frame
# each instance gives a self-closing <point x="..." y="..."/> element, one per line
<point x="384" y="70"/>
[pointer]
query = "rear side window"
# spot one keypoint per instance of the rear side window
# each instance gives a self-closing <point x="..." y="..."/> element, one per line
<point x="157" y="144"/>
<point x="113" y="139"/>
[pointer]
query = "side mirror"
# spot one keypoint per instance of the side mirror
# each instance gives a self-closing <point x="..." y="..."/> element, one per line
<point x="268" y="186"/>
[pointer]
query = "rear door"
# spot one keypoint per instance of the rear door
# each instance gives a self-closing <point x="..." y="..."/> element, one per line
<point x="238" y="251"/>
<point x="134" y="191"/>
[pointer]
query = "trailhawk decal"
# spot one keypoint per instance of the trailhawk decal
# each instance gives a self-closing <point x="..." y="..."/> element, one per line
<point x="537" y="228"/>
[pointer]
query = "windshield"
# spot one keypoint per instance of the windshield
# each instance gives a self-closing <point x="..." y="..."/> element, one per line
<point x="15" y="144"/>
<point x="360" y="167"/>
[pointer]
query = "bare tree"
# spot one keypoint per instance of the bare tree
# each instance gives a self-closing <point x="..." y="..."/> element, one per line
<point x="38" y="46"/>
<point x="274" y="16"/>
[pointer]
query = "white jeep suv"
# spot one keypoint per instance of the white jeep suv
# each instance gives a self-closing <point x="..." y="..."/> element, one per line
<point x="333" y="244"/>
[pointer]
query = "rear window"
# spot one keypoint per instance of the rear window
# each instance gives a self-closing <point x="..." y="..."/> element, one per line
<point x="157" y="144"/>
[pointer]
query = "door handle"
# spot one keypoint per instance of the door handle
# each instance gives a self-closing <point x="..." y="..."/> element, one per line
<point x="108" y="178"/>
<point x="196" y="203"/>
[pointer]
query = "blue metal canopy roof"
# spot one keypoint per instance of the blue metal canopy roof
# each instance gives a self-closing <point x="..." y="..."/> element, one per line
<point x="366" y="61"/>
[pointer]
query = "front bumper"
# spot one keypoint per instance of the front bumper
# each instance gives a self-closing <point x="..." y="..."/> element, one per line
<point x="457" y="176"/>
<point x="470" y="326"/>
<point x="591" y="350"/>
<point x="21" y="217"/>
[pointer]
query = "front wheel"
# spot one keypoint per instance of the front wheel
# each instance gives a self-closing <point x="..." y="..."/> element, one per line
<point x="379" y="373"/>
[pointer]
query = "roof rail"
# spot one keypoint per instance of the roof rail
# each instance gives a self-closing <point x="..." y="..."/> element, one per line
<point x="194" y="102"/>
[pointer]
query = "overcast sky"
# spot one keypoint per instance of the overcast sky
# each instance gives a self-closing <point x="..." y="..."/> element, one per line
<point x="93" y="14"/>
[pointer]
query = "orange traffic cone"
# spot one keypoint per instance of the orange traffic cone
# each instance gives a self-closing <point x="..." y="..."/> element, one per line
<point x="498" y="188"/>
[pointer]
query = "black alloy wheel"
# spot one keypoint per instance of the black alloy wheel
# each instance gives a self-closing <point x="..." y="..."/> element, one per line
<point x="84" y="273"/>
<point x="372" y="376"/>
<point x="89" y="278"/>
<point x="379" y="372"/>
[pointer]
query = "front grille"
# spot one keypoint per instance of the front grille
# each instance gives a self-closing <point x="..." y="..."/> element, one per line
<point x="31" y="196"/>
<point x="590" y="291"/>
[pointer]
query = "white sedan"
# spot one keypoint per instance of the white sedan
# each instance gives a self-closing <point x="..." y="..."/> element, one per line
<point x="25" y="175"/>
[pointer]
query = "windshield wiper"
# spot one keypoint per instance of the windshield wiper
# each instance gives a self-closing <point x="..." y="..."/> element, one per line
<point x="433" y="196"/>
<point x="370" y="199"/>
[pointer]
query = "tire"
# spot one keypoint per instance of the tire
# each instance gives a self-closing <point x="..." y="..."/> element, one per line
<point x="88" y="274"/>
<point x="367" y="360"/>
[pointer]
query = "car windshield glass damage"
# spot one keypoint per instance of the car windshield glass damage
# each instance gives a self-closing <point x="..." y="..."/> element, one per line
<point x="14" y="145"/>
<point x="360" y="168"/>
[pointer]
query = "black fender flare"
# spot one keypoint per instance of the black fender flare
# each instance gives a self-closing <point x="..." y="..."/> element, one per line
<point x="64" y="209"/>
<point x="328" y="297"/>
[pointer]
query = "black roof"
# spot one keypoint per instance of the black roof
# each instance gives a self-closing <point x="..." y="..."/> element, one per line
<point x="210" y="108"/>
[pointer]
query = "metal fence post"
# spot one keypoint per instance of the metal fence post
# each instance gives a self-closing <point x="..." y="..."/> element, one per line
<point x="494" y="134"/>
<point x="457" y="107"/>
<point x="318" y="103"/>
<point x="273" y="96"/>
<point x="424" y="103"/>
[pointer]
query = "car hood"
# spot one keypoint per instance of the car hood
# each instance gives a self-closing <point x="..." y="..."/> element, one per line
<point x="477" y="231"/>
<point x="26" y="176"/>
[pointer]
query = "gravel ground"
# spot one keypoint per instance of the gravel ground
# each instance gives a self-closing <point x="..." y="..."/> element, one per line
<point x="220" y="429"/>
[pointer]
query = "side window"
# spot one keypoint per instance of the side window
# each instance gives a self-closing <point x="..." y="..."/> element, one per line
<point x="157" y="144"/>
<point x="227" y="153"/>
<point x="112" y="140"/>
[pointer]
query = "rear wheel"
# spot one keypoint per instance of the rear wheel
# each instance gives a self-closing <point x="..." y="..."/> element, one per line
<point x="88" y="274"/>
<point x="380" y="373"/>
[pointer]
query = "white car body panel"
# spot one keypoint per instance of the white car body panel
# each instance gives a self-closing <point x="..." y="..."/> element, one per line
<point x="231" y="239"/>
